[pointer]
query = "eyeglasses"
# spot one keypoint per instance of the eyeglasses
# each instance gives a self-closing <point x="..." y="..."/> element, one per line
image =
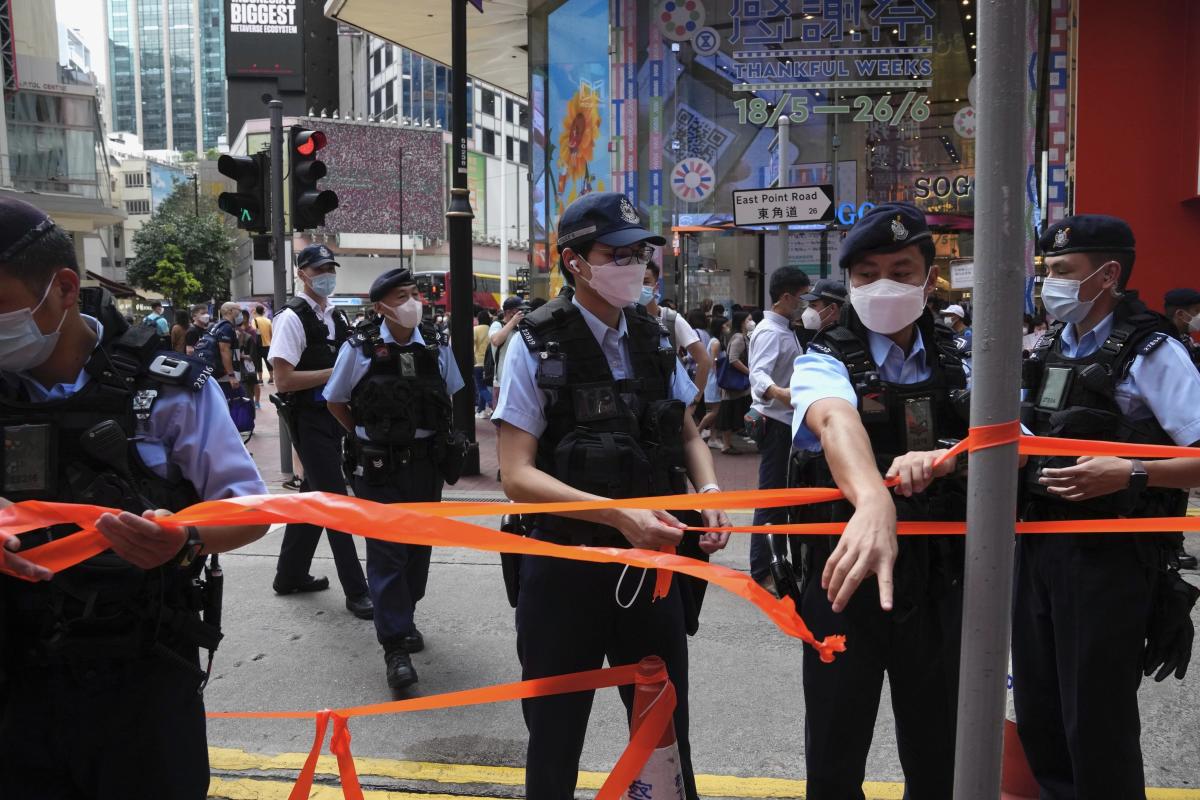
<point x="624" y="256"/>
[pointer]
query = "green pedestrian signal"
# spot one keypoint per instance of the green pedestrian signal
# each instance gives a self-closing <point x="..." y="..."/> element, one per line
<point x="249" y="204"/>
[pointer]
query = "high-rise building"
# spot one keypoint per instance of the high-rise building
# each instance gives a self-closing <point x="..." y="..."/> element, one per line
<point x="167" y="72"/>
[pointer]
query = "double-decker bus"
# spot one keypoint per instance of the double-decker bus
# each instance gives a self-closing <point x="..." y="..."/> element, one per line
<point x="485" y="293"/>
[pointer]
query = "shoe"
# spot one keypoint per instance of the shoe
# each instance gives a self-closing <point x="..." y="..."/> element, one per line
<point x="413" y="642"/>
<point x="715" y="443"/>
<point x="400" y="670"/>
<point x="361" y="606"/>
<point x="257" y="405"/>
<point x="292" y="483"/>
<point x="309" y="584"/>
<point x="1186" y="559"/>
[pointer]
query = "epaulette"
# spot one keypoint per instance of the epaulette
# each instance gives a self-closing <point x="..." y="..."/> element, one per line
<point x="176" y="369"/>
<point x="1151" y="343"/>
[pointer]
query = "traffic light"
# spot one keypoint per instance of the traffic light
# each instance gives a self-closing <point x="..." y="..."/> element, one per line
<point x="250" y="204"/>
<point x="309" y="204"/>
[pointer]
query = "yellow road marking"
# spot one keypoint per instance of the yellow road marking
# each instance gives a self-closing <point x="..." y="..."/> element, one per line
<point x="229" y="760"/>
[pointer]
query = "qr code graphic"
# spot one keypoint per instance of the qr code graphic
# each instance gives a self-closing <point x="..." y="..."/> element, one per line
<point x="697" y="137"/>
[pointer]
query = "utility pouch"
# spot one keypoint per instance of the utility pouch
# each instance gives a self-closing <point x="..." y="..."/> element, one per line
<point x="691" y="590"/>
<point x="28" y="467"/>
<point x="375" y="463"/>
<point x="610" y="464"/>
<point x="662" y="434"/>
<point x="510" y="563"/>
<point x="452" y="455"/>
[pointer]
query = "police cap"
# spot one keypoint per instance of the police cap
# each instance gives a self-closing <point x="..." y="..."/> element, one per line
<point x="886" y="228"/>
<point x="1087" y="233"/>
<point x="314" y="256"/>
<point x="1182" y="298"/>
<point x="21" y="224"/>
<point x="388" y="281"/>
<point x="827" y="289"/>
<point x="607" y="217"/>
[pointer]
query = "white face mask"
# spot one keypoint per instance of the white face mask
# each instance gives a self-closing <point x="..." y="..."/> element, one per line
<point x="1061" y="298"/>
<point x="811" y="318"/>
<point x="407" y="315"/>
<point x="1193" y="325"/>
<point x="204" y="319"/>
<point x="750" y="326"/>
<point x="323" y="285"/>
<point x="619" y="286"/>
<point x="887" y="306"/>
<point x="23" y="346"/>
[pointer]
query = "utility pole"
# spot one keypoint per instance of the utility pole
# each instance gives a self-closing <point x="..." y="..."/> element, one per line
<point x="458" y="221"/>
<point x="278" y="253"/>
<point x="1000" y="241"/>
<point x="196" y="191"/>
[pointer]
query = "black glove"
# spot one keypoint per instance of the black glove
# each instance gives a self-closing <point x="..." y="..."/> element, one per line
<point x="1170" y="634"/>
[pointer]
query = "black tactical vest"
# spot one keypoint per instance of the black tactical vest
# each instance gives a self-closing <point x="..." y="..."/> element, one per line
<point x="403" y="389"/>
<point x="320" y="352"/>
<point x="82" y="450"/>
<point x="1075" y="398"/>
<point x="900" y="418"/>
<point x="614" y="438"/>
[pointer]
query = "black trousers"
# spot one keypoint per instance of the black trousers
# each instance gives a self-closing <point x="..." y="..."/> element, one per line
<point x="131" y="730"/>
<point x="1080" y="606"/>
<point x="398" y="573"/>
<point x="776" y="448"/>
<point x="320" y="448"/>
<point x="568" y="621"/>
<point x="917" y="647"/>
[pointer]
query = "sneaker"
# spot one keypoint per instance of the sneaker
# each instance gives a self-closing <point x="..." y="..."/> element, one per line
<point x="292" y="483"/>
<point x="257" y="405"/>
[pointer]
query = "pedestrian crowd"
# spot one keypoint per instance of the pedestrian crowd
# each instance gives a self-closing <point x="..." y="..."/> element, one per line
<point x="605" y="391"/>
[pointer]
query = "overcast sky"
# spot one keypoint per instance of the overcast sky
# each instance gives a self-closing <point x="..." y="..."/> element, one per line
<point x="88" y="16"/>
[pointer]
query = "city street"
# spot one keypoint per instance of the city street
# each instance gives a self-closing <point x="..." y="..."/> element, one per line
<point x="307" y="652"/>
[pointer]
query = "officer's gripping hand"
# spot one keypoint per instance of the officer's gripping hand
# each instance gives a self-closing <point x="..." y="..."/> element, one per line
<point x="14" y="565"/>
<point x="916" y="470"/>
<point x="140" y="540"/>
<point x="649" y="530"/>
<point x="1089" y="477"/>
<point x="867" y="547"/>
<point x="712" y="541"/>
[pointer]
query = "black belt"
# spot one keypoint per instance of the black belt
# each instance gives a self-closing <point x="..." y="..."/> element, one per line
<point x="415" y="450"/>
<point x="573" y="532"/>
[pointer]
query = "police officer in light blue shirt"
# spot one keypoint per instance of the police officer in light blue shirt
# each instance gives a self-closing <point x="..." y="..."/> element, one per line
<point x="593" y="405"/>
<point x="1110" y="370"/>
<point x="390" y="389"/>
<point x="877" y="394"/>
<point x="100" y="661"/>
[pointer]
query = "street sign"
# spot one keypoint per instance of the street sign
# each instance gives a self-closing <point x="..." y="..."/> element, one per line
<point x="962" y="274"/>
<point x="783" y="206"/>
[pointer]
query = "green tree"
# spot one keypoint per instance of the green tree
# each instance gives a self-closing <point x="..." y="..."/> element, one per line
<point x="171" y="277"/>
<point x="203" y="241"/>
<point x="188" y="156"/>
<point x="212" y="154"/>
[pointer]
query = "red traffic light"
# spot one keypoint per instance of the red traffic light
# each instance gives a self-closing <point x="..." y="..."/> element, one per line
<point x="309" y="142"/>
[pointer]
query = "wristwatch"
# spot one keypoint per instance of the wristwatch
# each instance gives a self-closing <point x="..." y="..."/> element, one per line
<point x="191" y="548"/>
<point x="1138" y="478"/>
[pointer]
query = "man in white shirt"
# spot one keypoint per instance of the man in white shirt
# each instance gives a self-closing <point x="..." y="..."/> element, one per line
<point x="774" y="348"/>
<point x="682" y="335"/>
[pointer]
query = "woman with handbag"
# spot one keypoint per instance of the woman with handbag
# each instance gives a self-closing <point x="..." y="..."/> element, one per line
<point x="712" y="392"/>
<point x="734" y="380"/>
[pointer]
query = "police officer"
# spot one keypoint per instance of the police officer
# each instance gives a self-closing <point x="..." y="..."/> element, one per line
<point x="825" y="301"/>
<point x="592" y="406"/>
<point x="1182" y="307"/>
<point x="304" y="346"/>
<point x="877" y="393"/>
<point x="1111" y="370"/>
<point x="390" y="390"/>
<point x="99" y="665"/>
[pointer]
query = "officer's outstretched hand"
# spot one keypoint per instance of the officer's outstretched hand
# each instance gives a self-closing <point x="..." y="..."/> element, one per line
<point x="15" y="565"/>
<point x="649" y="530"/>
<point x="1089" y="477"/>
<point x="867" y="547"/>
<point x="916" y="470"/>
<point x="140" y="540"/>
<point x="712" y="541"/>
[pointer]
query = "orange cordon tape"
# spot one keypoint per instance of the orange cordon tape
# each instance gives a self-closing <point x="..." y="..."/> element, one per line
<point x="626" y="770"/>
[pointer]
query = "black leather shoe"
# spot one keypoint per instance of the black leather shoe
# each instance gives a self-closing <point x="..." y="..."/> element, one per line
<point x="400" y="671"/>
<point x="308" y="584"/>
<point x="1186" y="561"/>
<point x="413" y="642"/>
<point x="361" y="606"/>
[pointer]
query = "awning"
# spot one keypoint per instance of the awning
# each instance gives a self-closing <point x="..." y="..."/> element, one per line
<point x="497" y="39"/>
<point x="116" y="288"/>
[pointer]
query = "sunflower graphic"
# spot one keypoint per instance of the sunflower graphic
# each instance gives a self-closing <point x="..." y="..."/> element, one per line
<point x="580" y="129"/>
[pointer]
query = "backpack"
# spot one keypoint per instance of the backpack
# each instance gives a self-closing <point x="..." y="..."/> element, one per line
<point x="209" y="350"/>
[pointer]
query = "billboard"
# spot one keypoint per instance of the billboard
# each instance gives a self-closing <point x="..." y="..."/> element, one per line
<point x="477" y="187"/>
<point x="263" y="38"/>
<point x="385" y="177"/>
<point x="163" y="179"/>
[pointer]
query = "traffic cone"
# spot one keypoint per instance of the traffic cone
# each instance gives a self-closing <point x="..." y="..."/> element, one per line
<point x="662" y="777"/>
<point x="1016" y="778"/>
